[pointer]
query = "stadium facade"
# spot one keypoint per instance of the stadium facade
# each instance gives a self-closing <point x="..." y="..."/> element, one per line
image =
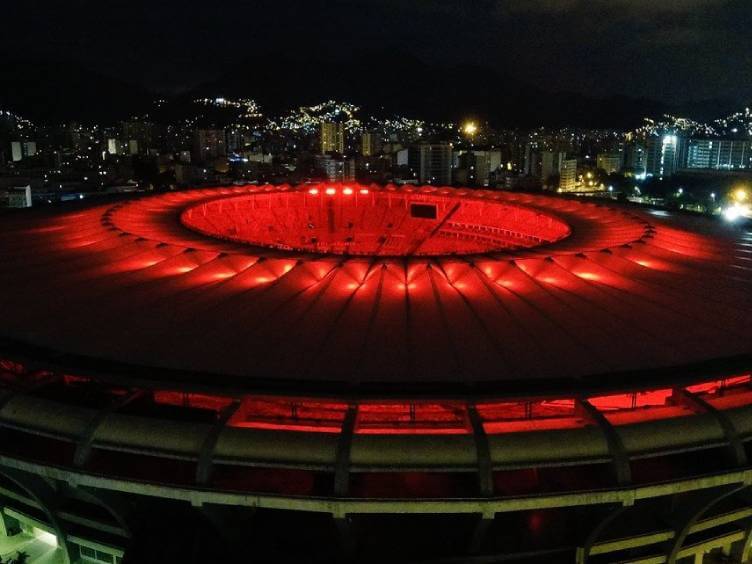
<point x="404" y="373"/>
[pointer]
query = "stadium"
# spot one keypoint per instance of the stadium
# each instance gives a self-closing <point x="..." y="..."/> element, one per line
<point x="412" y="374"/>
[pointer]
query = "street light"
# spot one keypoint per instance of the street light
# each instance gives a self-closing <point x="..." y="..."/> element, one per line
<point x="740" y="195"/>
<point x="470" y="128"/>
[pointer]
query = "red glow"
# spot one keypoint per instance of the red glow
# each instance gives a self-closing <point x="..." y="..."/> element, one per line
<point x="451" y="417"/>
<point x="439" y="418"/>
<point x="633" y="400"/>
<point x="290" y="415"/>
<point x="203" y="401"/>
<point x="718" y="386"/>
<point x="381" y="225"/>
<point x="501" y="297"/>
<point x="418" y="418"/>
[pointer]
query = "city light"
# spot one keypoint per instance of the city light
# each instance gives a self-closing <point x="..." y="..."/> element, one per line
<point x="738" y="206"/>
<point x="731" y="213"/>
<point x="737" y="211"/>
<point x="470" y="128"/>
<point x="45" y="537"/>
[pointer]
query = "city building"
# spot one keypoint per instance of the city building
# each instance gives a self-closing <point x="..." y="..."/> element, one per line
<point x="332" y="137"/>
<point x="114" y="146"/>
<point x="402" y="157"/>
<point x="209" y="144"/>
<point x="568" y="175"/>
<point x="258" y="157"/>
<point x="336" y="168"/>
<point x="16" y="151"/>
<point x="518" y="182"/>
<point x="475" y="167"/>
<point x="187" y="174"/>
<point x="486" y="162"/>
<point x="719" y="154"/>
<point x="236" y="141"/>
<point x="29" y="148"/>
<point x="19" y="197"/>
<point x="139" y="136"/>
<point x="431" y="162"/>
<point x="609" y="162"/>
<point x="664" y="155"/>
<point x="531" y="165"/>
<point x="370" y="144"/>
<point x="634" y="159"/>
<point x="551" y="165"/>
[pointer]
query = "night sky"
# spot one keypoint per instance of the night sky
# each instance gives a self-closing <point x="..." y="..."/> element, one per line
<point x="668" y="50"/>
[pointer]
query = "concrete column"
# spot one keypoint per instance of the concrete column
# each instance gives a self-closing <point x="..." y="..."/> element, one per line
<point x="485" y="478"/>
<point x="83" y="445"/>
<point x="206" y="456"/>
<point x="342" y="464"/>
<point x="619" y="459"/>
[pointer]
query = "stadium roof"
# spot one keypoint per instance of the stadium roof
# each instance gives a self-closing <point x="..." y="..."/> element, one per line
<point x="475" y="303"/>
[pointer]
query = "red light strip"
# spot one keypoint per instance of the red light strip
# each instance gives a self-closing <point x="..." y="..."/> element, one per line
<point x="450" y="417"/>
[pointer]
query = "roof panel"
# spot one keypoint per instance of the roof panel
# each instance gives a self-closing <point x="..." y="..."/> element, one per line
<point x="625" y="290"/>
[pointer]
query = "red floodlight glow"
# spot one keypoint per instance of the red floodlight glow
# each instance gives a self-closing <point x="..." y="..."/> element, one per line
<point x="382" y="224"/>
<point x="498" y="417"/>
<point x="223" y="275"/>
<point x="291" y="285"/>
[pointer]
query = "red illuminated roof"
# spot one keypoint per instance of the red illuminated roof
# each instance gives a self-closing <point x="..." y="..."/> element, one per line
<point x="349" y="284"/>
<point x="363" y="222"/>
